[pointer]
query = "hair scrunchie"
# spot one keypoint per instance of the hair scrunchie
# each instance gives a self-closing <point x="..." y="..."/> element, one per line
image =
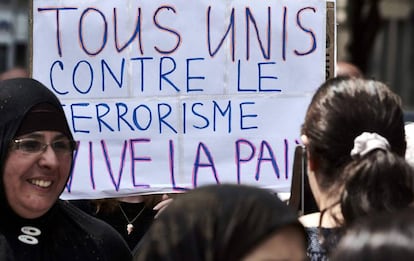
<point x="367" y="142"/>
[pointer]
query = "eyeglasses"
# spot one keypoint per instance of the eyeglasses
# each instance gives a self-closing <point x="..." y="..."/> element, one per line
<point x="33" y="146"/>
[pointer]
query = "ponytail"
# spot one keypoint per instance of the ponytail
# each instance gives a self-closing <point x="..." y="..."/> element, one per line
<point x="378" y="180"/>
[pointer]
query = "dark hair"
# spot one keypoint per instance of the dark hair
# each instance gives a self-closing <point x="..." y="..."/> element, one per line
<point x="380" y="181"/>
<point x="341" y="109"/>
<point x="216" y="222"/>
<point x="388" y="236"/>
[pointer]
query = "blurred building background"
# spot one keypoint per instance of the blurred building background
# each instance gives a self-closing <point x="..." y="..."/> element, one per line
<point x="14" y="33"/>
<point x="378" y="37"/>
<point x="375" y="35"/>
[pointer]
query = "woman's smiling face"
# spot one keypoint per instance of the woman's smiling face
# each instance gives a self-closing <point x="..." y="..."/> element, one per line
<point x="34" y="180"/>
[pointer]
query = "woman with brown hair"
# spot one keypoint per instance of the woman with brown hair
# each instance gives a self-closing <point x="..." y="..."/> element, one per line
<point x="341" y="110"/>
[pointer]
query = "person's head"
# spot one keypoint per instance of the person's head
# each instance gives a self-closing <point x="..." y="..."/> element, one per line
<point x="378" y="179"/>
<point x="348" y="69"/>
<point x="383" y="237"/>
<point x="225" y="222"/>
<point x="36" y="147"/>
<point x="16" y="72"/>
<point x="340" y="110"/>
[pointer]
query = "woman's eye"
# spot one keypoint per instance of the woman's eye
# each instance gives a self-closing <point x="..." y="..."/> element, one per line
<point x="61" y="145"/>
<point x="30" y="145"/>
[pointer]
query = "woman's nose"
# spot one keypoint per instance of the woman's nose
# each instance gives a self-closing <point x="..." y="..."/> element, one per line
<point x="49" y="157"/>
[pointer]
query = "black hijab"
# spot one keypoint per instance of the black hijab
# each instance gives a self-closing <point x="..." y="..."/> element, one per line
<point x="17" y="98"/>
<point x="66" y="233"/>
<point x="21" y="101"/>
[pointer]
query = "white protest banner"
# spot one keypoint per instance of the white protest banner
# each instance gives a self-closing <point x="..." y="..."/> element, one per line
<point x="169" y="95"/>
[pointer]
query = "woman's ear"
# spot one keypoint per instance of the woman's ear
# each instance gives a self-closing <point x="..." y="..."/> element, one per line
<point x="304" y="139"/>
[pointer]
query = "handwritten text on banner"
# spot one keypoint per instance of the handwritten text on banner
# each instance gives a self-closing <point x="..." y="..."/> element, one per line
<point x="166" y="96"/>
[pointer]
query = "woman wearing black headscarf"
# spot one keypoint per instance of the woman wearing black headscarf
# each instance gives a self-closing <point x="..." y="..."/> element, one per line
<point x="36" y="153"/>
<point x="224" y="223"/>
